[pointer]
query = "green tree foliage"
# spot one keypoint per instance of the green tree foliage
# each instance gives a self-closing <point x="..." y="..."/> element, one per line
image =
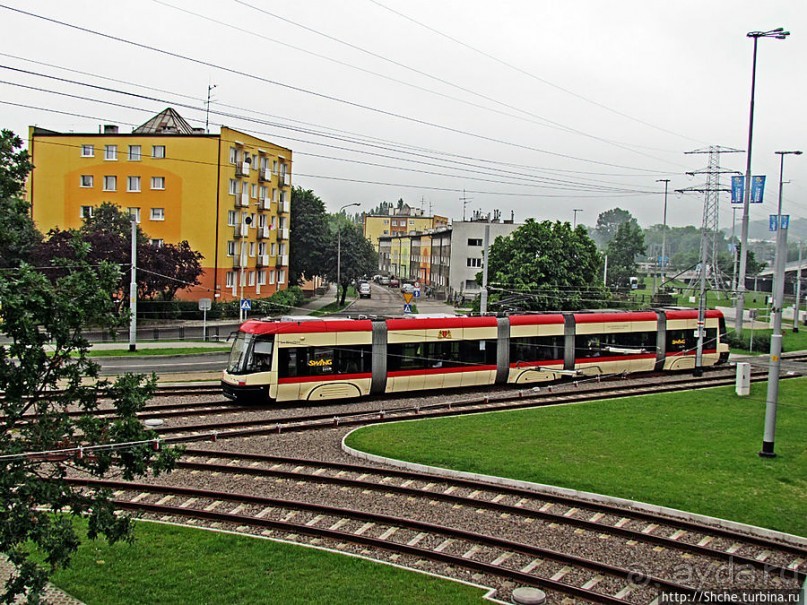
<point x="18" y="235"/>
<point x="622" y="250"/>
<point x="545" y="266"/>
<point x="162" y="271"/>
<point x="358" y="257"/>
<point x="607" y="224"/>
<point x="310" y="235"/>
<point x="45" y="370"/>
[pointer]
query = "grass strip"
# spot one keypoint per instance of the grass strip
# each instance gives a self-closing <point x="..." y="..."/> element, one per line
<point x="174" y="565"/>
<point x="695" y="451"/>
<point x="152" y="352"/>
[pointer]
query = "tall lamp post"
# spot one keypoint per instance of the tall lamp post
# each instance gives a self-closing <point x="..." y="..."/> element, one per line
<point x="339" y="247"/>
<point x="776" y="311"/>
<point x="664" y="229"/>
<point x="779" y="34"/>
<point x="575" y="210"/>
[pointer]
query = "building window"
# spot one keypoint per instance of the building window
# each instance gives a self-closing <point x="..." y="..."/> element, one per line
<point x="86" y="180"/>
<point x="135" y="153"/>
<point x="271" y="277"/>
<point x="281" y="276"/>
<point x="273" y="249"/>
<point x="261" y="248"/>
<point x="86" y="212"/>
<point x="110" y="183"/>
<point x="251" y="278"/>
<point x="264" y="191"/>
<point x="158" y="214"/>
<point x="474" y="262"/>
<point x="158" y="182"/>
<point x="262" y="277"/>
<point x="229" y="279"/>
<point x="231" y="219"/>
<point x="251" y="222"/>
<point x="233" y="187"/>
<point x="110" y="152"/>
<point x="133" y="183"/>
<point x="252" y="249"/>
<point x="157" y="243"/>
<point x="282" y="249"/>
<point x="87" y="151"/>
<point x="231" y="248"/>
<point x="233" y="155"/>
<point x="158" y="151"/>
<point x="254" y="191"/>
<point x="134" y="213"/>
<point x="474" y="242"/>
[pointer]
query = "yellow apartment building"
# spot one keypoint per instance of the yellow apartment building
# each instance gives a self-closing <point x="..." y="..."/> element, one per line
<point x="404" y="221"/>
<point x="227" y="194"/>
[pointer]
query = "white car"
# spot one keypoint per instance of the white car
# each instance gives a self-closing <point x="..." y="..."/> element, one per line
<point x="408" y="289"/>
<point x="364" y="290"/>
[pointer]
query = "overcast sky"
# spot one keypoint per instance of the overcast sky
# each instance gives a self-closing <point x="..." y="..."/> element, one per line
<point x="527" y="106"/>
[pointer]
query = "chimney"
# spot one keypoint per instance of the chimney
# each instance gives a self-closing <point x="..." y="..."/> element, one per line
<point x="110" y="129"/>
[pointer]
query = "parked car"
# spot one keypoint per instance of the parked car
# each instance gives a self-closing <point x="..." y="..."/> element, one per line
<point x="364" y="290"/>
<point x="407" y="288"/>
<point x="393" y="282"/>
<point x="384" y="281"/>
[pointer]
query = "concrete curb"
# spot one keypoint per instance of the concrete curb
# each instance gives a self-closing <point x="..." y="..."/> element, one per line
<point x="541" y="488"/>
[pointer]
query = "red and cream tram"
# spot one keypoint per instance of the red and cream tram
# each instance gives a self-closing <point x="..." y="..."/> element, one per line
<point x="301" y="358"/>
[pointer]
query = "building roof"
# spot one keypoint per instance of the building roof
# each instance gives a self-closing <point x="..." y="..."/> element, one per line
<point x="168" y="121"/>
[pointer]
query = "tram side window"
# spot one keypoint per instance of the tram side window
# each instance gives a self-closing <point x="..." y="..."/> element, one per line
<point x="536" y="348"/>
<point x="478" y="352"/>
<point x="679" y="341"/>
<point x="624" y="343"/>
<point x="406" y="356"/>
<point x="353" y="360"/>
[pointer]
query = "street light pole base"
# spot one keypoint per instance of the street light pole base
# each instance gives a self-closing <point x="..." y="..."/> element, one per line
<point x="767" y="450"/>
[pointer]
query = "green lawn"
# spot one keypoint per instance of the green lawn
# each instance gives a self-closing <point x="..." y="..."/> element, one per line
<point x="177" y="566"/>
<point x="695" y="451"/>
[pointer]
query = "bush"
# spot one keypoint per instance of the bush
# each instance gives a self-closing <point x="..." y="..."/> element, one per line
<point x="761" y="342"/>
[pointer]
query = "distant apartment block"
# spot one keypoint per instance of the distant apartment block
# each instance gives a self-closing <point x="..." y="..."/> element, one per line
<point x="399" y="221"/>
<point x="227" y="194"/>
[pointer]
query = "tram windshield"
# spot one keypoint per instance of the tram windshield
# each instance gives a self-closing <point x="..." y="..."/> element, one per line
<point x="239" y="354"/>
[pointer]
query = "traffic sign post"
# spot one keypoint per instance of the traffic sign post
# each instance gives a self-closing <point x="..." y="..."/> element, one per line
<point x="245" y="306"/>
<point x="407" y="308"/>
<point x="205" y="304"/>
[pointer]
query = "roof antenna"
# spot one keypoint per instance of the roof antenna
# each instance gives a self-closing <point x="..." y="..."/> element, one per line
<point x="210" y="88"/>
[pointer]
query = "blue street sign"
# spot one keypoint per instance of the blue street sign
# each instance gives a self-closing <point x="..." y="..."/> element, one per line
<point x="757" y="189"/>
<point x="407" y="308"/>
<point x="416" y="292"/>
<point x="246" y="304"/>
<point x="772" y="222"/>
<point x="737" y="189"/>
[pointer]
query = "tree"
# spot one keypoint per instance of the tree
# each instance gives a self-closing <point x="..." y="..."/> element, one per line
<point x="627" y="243"/>
<point x="358" y="257"/>
<point x="607" y="224"/>
<point x="45" y="370"/>
<point x="163" y="270"/>
<point x="18" y="235"/>
<point x="310" y="235"/>
<point x="545" y="266"/>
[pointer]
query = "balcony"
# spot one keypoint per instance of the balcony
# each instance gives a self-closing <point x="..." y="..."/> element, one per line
<point x="264" y="203"/>
<point x="262" y="260"/>
<point x="263" y="232"/>
<point x="282" y="179"/>
<point x="283" y="260"/>
<point x="284" y="206"/>
<point x="242" y="169"/>
<point x="239" y="230"/>
<point x="282" y="234"/>
<point x="237" y="262"/>
<point x="243" y="198"/>
<point x="265" y="174"/>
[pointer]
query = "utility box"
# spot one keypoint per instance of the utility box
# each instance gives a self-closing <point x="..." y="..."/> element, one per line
<point x="743" y="385"/>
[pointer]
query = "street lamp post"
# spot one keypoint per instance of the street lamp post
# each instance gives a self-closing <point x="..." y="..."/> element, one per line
<point x="575" y="210"/>
<point x="776" y="311"/>
<point x="339" y="247"/>
<point x="779" y="34"/>
<point x="664" y="229"/>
